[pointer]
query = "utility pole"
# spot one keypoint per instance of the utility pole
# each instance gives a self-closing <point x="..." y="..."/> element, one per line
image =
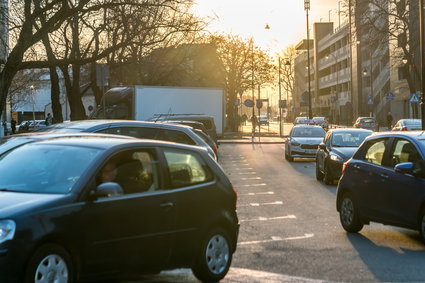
<point x="422" y="37"/>
<point x="306" y="8"/>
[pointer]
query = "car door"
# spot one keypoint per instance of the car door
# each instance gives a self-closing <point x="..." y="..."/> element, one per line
<point x="132" y="230"/>
<point x="197" y="199"/>
<point x="404" y="192"/>
<point x="369" y="182"/>
<point x="323" y="152"/>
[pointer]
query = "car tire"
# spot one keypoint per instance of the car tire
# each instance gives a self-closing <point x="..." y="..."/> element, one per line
<point x="215" y="257"/>
<point x="421" y="224"/>
<point x="319" y="174"/>
<point x="327" y="176"/>
<point x="288" y="157"/>
<point x="349" y="215"/>
<point x="50" y="263"/>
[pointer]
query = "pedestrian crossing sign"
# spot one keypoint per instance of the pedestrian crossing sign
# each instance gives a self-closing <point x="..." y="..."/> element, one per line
<point x="414" y="98"/>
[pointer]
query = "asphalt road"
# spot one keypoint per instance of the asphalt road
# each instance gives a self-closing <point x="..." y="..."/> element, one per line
<point x="290" y="230"/>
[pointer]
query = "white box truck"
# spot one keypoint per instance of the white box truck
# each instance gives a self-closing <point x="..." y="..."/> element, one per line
<point x="146" y="102"/>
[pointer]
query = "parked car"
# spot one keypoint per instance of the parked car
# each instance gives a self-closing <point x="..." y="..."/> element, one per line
<point x="336" y="148"/>
<point x="384" y="182"/>
<point x="408" y="125"/>
<point x="139" y="129"/>
<point x="36" y="125"/>
<point x="303" y="141"/>
<point x="303" y="121"/>
<point x="321" y="121"/>
<point x="208" y="140"/>
<point x="59" y="223"/>
<point x="23" y="127"/>
<point x="263" y="120"/>
<point x="208" y="121"/>
<point x="368" y="123"/>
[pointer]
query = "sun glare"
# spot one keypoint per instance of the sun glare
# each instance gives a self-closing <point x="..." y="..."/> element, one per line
<point x="247" y="18"/>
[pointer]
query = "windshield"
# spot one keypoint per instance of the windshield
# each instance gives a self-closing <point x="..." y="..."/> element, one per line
<point x="9" y="143"/>
<point x="370" y="120"/>
<point x="308" y="132"/>
<point x="413" y="122"/>
<point x="349" y="139"/>
<point x="41" y="168"/>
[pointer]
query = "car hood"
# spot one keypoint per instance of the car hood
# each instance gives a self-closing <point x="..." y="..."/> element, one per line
<point x="12" y="203"/>
<point x="302" y="140"/>
<point x="344" y="152"/>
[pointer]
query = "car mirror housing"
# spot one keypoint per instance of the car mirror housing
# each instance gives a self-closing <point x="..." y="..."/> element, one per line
<point x="404" y="168"/>
<point x="322" y="146"/>
<point x="109" y="189"/>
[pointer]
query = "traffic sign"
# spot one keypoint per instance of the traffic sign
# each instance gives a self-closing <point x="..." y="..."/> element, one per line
<point x="248" y="103"/>
<point x="370" y="99"/>
<point x="390" y="96"/>
<point x="259" y="103"/>
<point x="414" y="98"/>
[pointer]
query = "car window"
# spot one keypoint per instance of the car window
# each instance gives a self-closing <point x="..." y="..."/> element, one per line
<point x="375" y="151"/>
<point x="404" y="151"/>
<point x="151" y="133"/>
<point x="136" y="171"/>
<point x="308" y="132"/>
<point x="186" y="168"/>
<point x="349" y="139"/>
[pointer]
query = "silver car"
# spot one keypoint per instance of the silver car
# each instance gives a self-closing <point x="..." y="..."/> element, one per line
<point x="303" y="142"/>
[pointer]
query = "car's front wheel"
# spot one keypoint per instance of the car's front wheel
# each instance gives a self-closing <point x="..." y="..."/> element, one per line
<point x="214" y="258"/>
<point x="50" y="263"/>
<point x="349" y="215"/>
<point x="319" y="174"/>
<point x="327" y="178"/>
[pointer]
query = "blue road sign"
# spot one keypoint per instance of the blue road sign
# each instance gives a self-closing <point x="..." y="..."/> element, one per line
<point x="390" y="96"/>
<point x="370" y="99"/>
<point x="248" y="103"/>
<point x="414" y="98"/>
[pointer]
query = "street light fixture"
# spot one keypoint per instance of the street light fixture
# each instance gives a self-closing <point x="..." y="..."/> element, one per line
<point x="33" y="102"/>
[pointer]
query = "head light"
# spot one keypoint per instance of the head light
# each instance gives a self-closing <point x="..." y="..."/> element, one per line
<point x="335" y="157"/>
<point x="7" y="230"/>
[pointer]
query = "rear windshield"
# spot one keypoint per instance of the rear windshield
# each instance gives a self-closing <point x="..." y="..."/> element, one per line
<point x="368" y="120"/>
<point x="413" y="122"/>
<point x="308" y="132"/>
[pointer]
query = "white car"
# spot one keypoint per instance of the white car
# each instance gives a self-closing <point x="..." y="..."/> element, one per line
<point x="303" y="142"/>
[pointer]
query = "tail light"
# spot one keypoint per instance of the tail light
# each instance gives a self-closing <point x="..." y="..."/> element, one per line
<point x="404" y="128"/>
<point x="343" y="167"/>
<point x="215" y="149"/>
<point x="360" y="124"/>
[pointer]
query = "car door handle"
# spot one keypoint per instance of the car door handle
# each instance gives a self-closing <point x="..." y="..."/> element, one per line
<point x="166" y="204"/>
<point x="383" y="175"/>
<point x="356" y="166"/>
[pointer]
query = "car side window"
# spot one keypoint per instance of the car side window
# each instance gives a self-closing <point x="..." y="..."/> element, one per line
<point x="136" y="171"/>
<point x="404" y="151"/>
<point x="186" y="168"/>
<point x="375" y="151"/>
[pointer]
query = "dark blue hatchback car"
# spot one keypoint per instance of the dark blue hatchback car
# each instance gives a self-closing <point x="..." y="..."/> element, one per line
<point x="384" y="182"/>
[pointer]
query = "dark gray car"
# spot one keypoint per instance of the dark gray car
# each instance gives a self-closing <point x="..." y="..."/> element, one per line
<point x="138" y="129"/>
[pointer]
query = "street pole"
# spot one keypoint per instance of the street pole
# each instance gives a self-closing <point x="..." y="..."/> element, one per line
<point x="422" y="37"/>
<point x="280" y="98"/>
<point x="306" y="8"/>
<point x="259" y="114"/>
<point x="33" y="102"/>
<point x="252" y="87"/>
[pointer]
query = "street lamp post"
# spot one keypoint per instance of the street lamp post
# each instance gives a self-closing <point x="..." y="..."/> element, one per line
<point x="33" y="102"/>
<point x="252" y="87"/>
<point x="280" y="99"/>
<point x="306" y="8"/>
<point x="422" y="50"/>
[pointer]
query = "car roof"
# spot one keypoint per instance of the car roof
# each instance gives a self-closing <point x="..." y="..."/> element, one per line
<point x="111" y="141"/>
<point x="50" y="135"/>
<point x="87" y="124"/>
<point x="349" y="130"/>
<point x="307" y="126"/>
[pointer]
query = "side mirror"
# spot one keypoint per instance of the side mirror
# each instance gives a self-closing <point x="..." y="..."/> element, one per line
<point x="322" y="146"/>
<point x="109" y="189"/>
<point x="404" y="168"/>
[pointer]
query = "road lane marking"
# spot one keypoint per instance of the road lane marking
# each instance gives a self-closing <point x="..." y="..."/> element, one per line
<point x="253" y="178"/>
<point x="260" y="204"/>
<point x="253" y="185"/>
<point x="269" y="218"/>
<point x="276" y="239"/>
<point x="248" y="168"/>
<point x="247" y="173"/>
<point x="254" y="194"/>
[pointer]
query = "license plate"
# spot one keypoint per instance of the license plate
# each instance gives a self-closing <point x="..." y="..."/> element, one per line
<point x="311" y="151"/>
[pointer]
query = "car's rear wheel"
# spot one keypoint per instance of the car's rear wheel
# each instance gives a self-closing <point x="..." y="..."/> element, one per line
<point x="327" y="178"/>
<point x="319" y="174"/>
<point x="349" y="215"/>
<point x="214" y="258"/>
<point x="50" y="263"/>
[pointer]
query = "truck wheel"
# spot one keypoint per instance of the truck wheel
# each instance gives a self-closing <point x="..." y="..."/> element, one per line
<point x="50" y="263"/>
<point x="214" y="257"/>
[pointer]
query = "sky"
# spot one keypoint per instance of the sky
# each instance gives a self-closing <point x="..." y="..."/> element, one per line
<point x="286" y="18"/>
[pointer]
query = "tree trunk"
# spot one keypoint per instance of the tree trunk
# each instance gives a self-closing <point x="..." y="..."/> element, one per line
<point x="55" y="96"/>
